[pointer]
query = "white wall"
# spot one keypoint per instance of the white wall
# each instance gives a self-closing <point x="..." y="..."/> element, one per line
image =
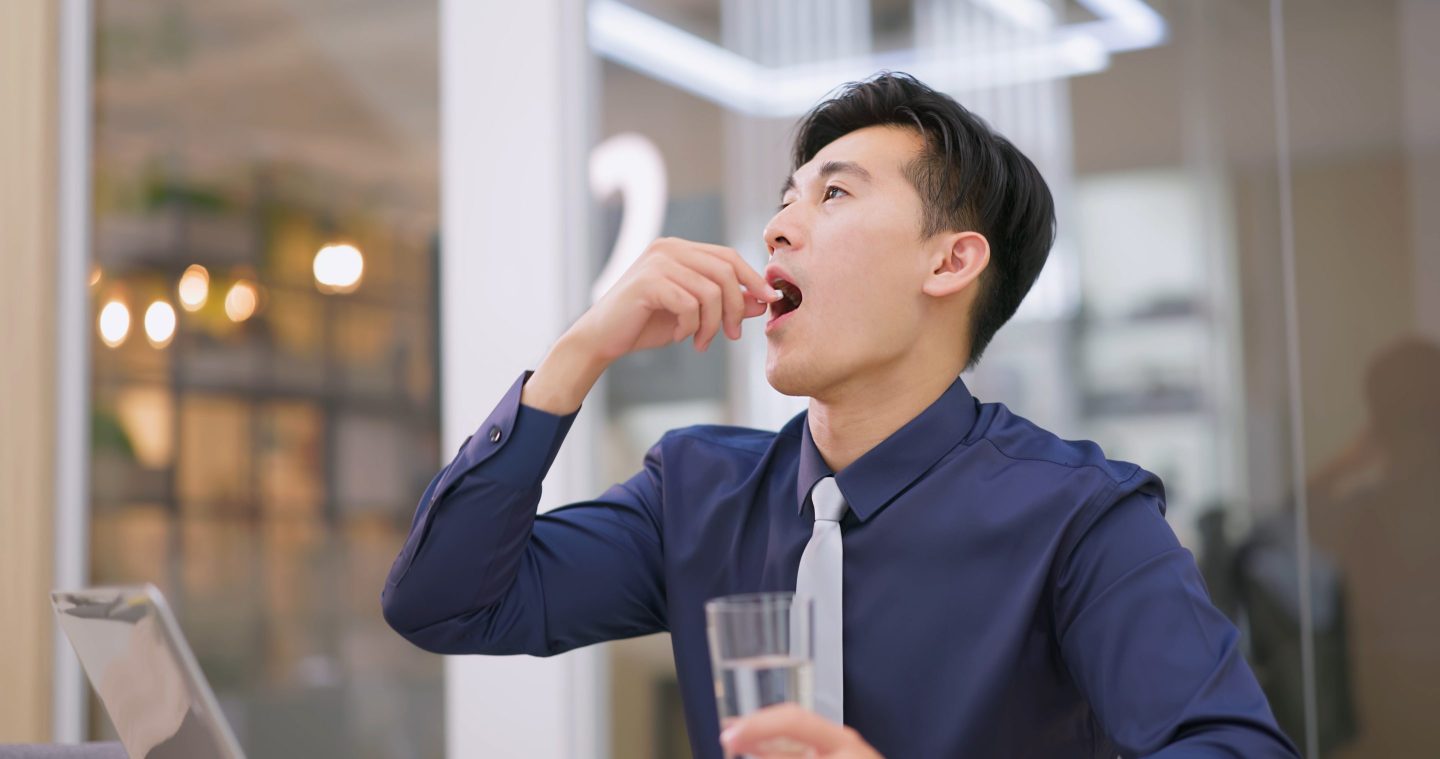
<point x="514" y="131"/>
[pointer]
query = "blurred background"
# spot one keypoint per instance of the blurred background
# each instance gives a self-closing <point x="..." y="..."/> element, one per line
<point x="267" y="264"/>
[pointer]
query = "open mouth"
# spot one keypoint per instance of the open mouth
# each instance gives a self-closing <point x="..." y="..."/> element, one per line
<point x="788" y="303"/>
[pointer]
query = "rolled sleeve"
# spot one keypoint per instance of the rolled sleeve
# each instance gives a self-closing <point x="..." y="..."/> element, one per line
<point x="482" y="573"/>
<point x="513" y="449"/>
<point x="516" y="444"/>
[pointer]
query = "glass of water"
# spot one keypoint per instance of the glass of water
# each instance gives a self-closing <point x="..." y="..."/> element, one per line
<point x="760" y="651"/>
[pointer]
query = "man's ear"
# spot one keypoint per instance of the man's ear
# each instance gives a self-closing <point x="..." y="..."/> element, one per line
<point x="960" y="260"/>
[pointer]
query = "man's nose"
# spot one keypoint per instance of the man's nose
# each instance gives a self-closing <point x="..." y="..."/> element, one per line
<point x="779" y="233"/>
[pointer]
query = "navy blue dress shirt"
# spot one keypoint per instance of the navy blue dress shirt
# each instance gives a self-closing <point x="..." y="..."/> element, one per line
<point x="1006" y="593"/>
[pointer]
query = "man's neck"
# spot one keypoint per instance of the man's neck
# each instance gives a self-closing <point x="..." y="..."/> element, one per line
<point x="857" y="416"/>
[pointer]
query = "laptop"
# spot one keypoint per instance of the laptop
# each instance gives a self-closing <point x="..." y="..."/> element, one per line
<point x="142" y="669"/>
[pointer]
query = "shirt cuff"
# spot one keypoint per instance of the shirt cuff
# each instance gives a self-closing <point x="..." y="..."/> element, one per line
<point x="516" y="445"/>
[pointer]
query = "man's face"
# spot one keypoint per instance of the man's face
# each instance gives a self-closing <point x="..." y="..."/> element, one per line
<point x="849" y="240"/>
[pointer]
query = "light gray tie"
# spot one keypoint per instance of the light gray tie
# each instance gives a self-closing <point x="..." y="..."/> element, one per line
<point x="820" y="578"/>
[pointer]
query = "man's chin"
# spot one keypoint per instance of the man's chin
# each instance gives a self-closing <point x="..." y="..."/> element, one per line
<point x="785" y="383"/>
<point x="790" y="391"/>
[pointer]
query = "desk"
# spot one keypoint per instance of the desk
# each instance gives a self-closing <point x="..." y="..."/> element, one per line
<point x="62" y="751"/>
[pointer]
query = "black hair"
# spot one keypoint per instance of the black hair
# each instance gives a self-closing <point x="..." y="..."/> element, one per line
<point x="969" y="179"/>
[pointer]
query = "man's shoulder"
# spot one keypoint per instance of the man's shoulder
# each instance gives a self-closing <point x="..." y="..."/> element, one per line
<point x="1029" y="445"/>
<point x="720" y="438"/>
<point x="1074" y="477"/>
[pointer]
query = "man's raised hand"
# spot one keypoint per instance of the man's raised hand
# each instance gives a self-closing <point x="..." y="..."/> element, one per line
<point x="676" y="289"/>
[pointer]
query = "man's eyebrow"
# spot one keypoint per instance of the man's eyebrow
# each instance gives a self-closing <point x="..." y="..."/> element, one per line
<point x="827" y="169"/>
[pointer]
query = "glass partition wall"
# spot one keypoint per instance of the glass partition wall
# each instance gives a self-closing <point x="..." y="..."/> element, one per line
<point x="264" y="392"/>
<point x="1360" y="149"/>
<point x="1242" y="297"/>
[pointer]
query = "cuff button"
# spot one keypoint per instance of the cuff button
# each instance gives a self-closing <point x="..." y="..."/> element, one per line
<point x="494" y="434"/>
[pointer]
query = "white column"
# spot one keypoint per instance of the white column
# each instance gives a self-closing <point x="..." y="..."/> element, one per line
<point x="72" y="347"/>
<point x="514" y="131"/>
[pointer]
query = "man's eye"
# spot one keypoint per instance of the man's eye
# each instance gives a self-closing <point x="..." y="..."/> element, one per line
<point x="825" y="195"/>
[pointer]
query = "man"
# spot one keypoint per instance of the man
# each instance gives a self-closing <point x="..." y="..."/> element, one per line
<point x="1003" y="592"/>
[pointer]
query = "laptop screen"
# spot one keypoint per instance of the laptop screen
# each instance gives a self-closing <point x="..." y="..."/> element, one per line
<point x="144" y="673"/>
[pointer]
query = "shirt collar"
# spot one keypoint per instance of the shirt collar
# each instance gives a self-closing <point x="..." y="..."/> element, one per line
<point x="874" y="479"/>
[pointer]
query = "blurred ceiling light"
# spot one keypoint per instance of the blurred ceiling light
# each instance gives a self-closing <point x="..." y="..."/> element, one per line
<point x="1123" y="25"/>
<point x="194" y="288"/>
<point x="803" y="85"/>
<point x="95" y="275"/>
<point x="241" y="301"/>
<point x="669" y="54"/>
<point x="1027" y="14"/>
<point x="657" y="49"/>
<point x="160" y="323"/>
<point x="114" y="323"/>
<point x="338" y="267"/>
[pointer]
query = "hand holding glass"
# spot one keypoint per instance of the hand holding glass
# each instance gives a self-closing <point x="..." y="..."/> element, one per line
<point x="760" y="652"/>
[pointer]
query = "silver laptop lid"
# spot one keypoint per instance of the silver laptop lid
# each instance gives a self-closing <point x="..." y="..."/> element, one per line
<point x="144" y="673"/>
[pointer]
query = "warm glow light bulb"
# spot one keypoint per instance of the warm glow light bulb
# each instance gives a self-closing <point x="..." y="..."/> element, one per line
<point x="194" y="288"/>
<point x="338" y="268"/>
<point x="160" y="323"/>
<point x="241" y="301"/>
<point x="114" y="323"/>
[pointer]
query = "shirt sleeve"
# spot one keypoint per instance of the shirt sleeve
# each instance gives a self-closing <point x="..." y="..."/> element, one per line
<point x="481" y="573"/>
<point x="1160" y="666"/>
